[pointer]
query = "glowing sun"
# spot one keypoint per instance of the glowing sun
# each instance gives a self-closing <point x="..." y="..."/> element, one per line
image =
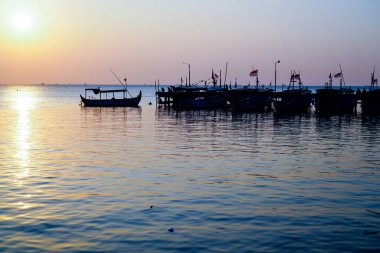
<point x="22" y="20"/>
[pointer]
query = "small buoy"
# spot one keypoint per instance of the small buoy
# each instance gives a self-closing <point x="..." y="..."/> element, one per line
<point x="171" y="230"/>
<point x="151" y="206"/>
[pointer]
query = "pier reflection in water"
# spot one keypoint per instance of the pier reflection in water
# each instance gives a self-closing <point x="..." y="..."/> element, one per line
<point x="84" y="179"/>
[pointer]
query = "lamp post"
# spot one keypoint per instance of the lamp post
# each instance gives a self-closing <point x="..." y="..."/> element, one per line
<point x="188" y="64"/>
<point x="275" y="74"/>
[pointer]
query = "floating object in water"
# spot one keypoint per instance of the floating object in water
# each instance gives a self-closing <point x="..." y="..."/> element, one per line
<point x="150" y="103"/>
<point x="151" y="206"/>
<point x="171" y="230"/>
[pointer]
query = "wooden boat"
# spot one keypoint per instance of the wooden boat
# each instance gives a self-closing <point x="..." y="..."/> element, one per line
<point x="371" y="98"/>
<point x="250" y="99"/>
<point x="193" y="97"/>
<point x="110" y="102"/>
<point x="335" y="101"/>
<point x="293" y="100"/>
<point x="187" y="97"/>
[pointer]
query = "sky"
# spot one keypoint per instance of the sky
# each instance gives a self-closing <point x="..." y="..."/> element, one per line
<point x="79" y="41"/>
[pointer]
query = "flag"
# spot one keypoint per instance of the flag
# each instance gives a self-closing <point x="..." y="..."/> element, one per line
<point x="254" y="72"/>
<point x="338" y="75"/>
<point x="214" y="77"/>
<point x="375" y="81"/>
<point x="296" y="76"/>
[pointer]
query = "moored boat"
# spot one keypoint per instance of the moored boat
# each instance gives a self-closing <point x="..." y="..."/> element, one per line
<point x="293" y="99"/>
<point x="371" y="99"/>
<point x="119" y="101"/>
<point x="193" y="97"/>
<point x="250" y="99"/>
<point x="335" y="101"/>
<point x="187" y="97"/>
<point x="110" y="102"/>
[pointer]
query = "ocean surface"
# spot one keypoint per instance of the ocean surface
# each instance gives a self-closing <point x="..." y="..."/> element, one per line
<point x="75" y="179"/>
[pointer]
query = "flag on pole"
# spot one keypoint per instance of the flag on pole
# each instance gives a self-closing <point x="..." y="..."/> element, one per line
<point x="337" y="75"/>
<point x="254" y="72"/>
<point x="296" y="76"/>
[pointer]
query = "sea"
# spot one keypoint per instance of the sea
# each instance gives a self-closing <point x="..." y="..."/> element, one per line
<point x="151" y="179"/>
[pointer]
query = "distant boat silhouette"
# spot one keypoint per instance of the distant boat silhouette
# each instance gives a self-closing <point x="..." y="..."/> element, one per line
<point x="335" y="101"/>
<point x="111" y="102"/>
<point x="293" y="100"/>
<point x="371" y="98"/>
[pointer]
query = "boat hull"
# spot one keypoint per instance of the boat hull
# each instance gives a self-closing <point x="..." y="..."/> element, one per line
<point x="330" y="101"/>
<point x="293" y="102"/>
<point x="126" y="102"/>
<point x="371" y="102"/>
<point x="250" y="100"/>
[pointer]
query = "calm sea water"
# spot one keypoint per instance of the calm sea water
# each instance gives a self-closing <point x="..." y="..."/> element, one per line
<point x="77" y="179"/>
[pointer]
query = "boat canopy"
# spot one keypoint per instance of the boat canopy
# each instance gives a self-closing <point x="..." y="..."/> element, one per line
<point x="98" y="90"/>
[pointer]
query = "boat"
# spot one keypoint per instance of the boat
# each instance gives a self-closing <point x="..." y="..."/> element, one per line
<point x="118" y="101"/>
<point x="370" y="100"/>
<point x="194" y="96"/>
<point x="293" y="99"/>
<point x="335" y="101"/>
<point x="110" y="102"/>
<point x="250" y="99"/>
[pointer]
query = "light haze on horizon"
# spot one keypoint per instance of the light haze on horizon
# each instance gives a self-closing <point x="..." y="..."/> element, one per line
<point x="145" y="40"/>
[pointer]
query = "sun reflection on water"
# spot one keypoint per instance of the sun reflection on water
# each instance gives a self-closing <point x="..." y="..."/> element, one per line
<point x="23" y="103"/>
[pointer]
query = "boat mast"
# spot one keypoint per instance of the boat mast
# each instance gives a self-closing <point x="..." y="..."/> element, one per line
<point x="220" y="78"/>
<point x="342" y="78"/>
<point x="225" y="75"/>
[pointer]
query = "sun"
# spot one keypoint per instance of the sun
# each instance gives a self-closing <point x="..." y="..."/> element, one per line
<point x="22" y="20"/>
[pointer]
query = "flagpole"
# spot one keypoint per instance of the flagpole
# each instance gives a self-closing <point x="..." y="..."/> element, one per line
<point x="188" y="64"/>
<point x="342" y="78"/>
<point x="220" y="78"/>
<point x="275" y="74"/>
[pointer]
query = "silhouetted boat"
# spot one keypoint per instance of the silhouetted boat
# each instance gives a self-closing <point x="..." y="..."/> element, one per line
<point x="187" y="97"/>
<point x="371" y="98"/>
<point x="250" y="99"/>
<point x="193" y="97"/>
<point x="335" y="101"/>
<point x="110" y="102"/>
<point x="293" y="100"/>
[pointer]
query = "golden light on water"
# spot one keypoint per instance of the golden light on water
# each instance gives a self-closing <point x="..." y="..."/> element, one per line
<point x="23" y="103"/>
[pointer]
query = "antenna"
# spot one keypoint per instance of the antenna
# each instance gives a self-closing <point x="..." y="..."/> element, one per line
<point x="125" y="86"/>
<point x="342" y="75"/>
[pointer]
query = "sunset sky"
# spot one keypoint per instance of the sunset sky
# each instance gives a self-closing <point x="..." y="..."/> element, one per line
<point x="57" y="41"/>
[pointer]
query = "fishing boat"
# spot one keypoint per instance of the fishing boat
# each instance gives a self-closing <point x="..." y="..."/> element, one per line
<point x="371" y="98"/>
<point x="293" y="99"/>
<point x="104" y="101"/>
<point x="250" y="99"/>
<point x="195" y="96"/>
<point x="335" y="101"/>
<point x="102" y="98"/>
